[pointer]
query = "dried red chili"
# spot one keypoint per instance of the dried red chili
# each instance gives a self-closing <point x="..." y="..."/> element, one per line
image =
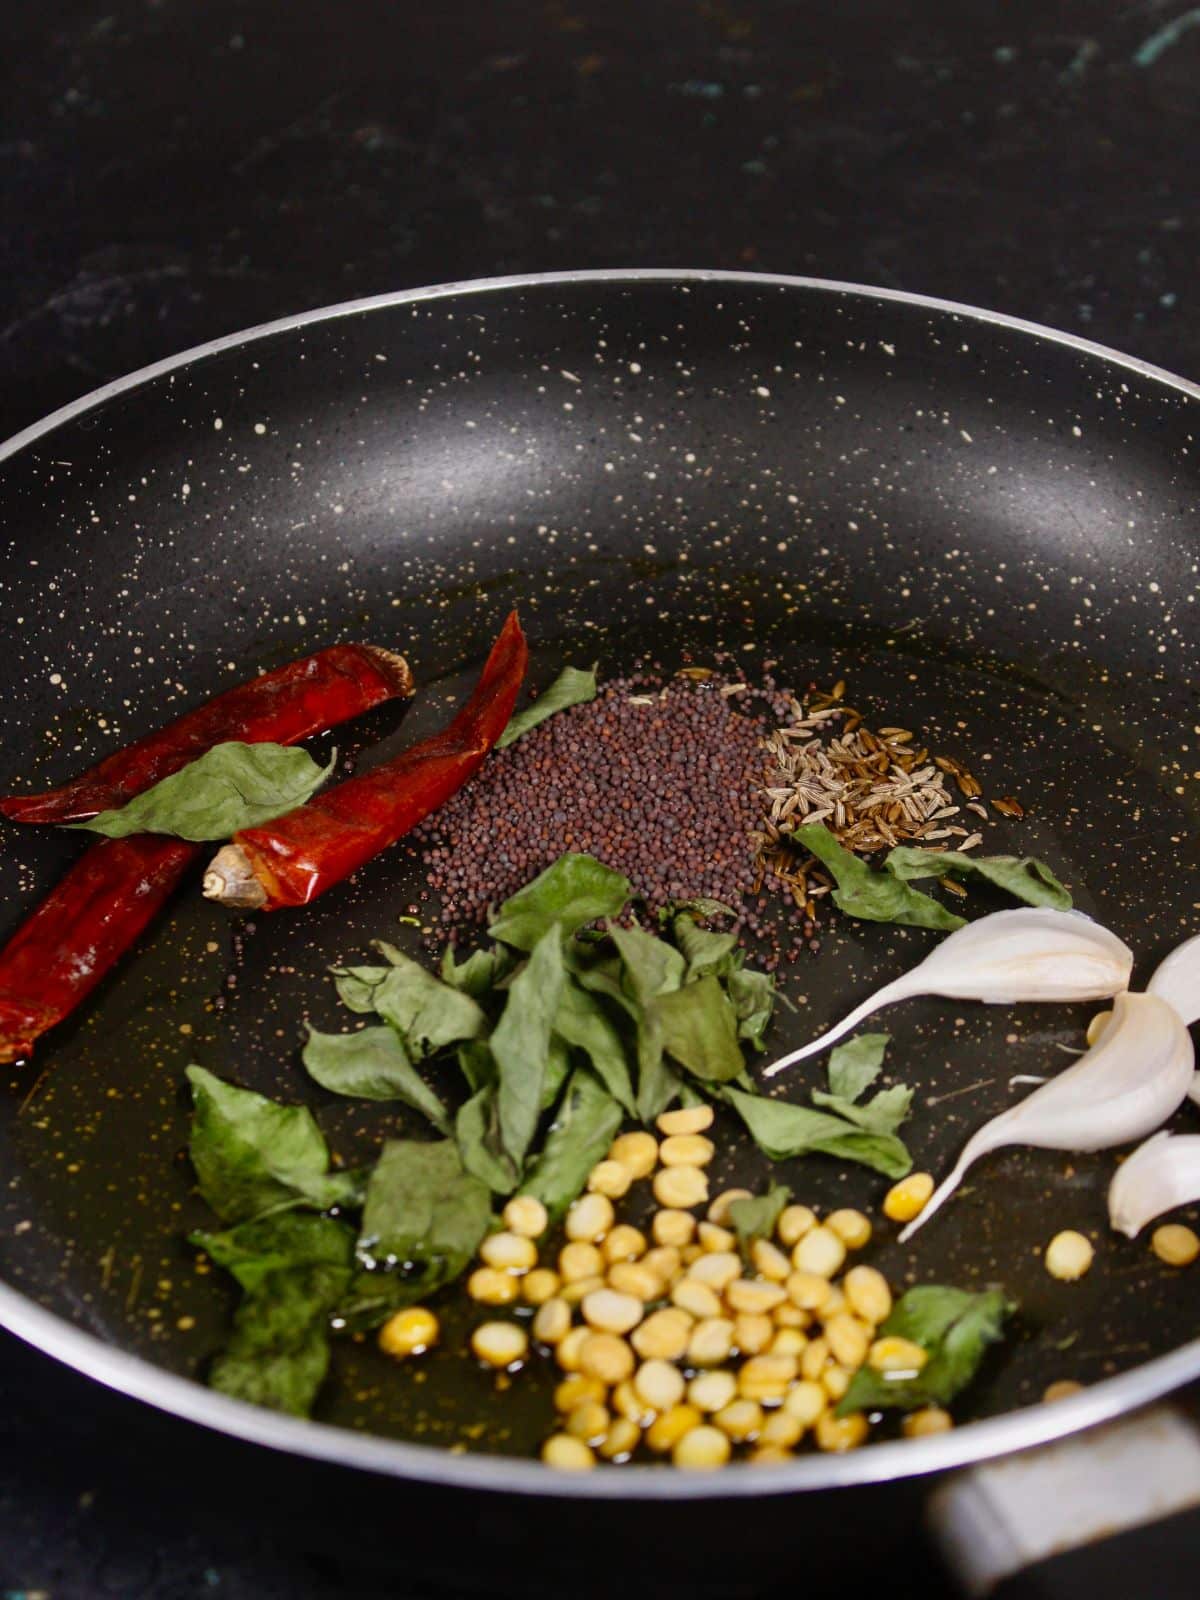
<point x="295" y="858"/>
<point x="285" y="706"/>
<point x="63" y="949"/>
<point x="86" y="922"/>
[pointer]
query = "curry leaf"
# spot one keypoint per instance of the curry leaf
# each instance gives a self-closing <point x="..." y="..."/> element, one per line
<point x="478" y="975"/>
<point x="649" y="966"/>
<point x="854" y="1066"/>
<point x="425" y="1012"/>
<point x="701" y="905"/>
<point x="251" y="1154"/>
<point x="698" y="1028"/>
<point x="658" y="1082"/>
<point x="882" y="1113"/>
<point x="755" y="1218"/>
<point x="521" y="1044"/>
<point x="782" y="1131"/>
<point x="356" y="986"/>
<point x="558" y="1067"/>
<point x="476" y="1063"/>
<point x="373" y="1065"/>
<point x="477" y="1131"/>
<point x="572" y="687"/>
<point x="953" y="1326"/>
<point x="581" y="1132"/>
<point x="704" y="951"/>
<point x="278" y="1353"/>
<point x="1024" y="877"/>
<point x="873" y="896"/>
<point x="279" y="1242"/>
<point x="229" y="787"/>
<point x="752" y="995"/>
<point x="583" y="1023"/>
<point x="576" y="890"/>
<point x="372" y="1296"/>
<point x="424" y="1214"/>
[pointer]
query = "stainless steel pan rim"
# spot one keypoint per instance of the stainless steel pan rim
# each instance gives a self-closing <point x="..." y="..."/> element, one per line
<point x="140" y="1379"/>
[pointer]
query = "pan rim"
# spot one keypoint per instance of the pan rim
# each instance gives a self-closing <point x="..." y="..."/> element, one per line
<point x="684" y="275"/>
<point x="140" y="1379"/>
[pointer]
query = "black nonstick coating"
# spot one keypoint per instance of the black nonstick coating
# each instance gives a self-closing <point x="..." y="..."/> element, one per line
<point x="991" y="535"/>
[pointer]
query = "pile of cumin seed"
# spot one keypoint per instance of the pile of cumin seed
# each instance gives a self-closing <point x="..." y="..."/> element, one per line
<point x="873" y="790"/>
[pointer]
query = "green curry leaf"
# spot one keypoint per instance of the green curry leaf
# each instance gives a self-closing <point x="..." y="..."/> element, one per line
<point x="252" y="1154"/>
<point x="873" y="896"/>
<point x="572" y="687"/>
<point x="373" y="1065"/>
<point x="582" y="1131"/>
<point x="756" y="1217"/>
<point x="1023" y="877"/>
<point x="782" y="1131"/>
<point x="953" y="1326"/>
<point x="424" y="1214"/>
<point x="521" y="1044"/>
<point x="698" y="1028"/>
<point x="230" y="787"/>
<point x="576" y="890"/>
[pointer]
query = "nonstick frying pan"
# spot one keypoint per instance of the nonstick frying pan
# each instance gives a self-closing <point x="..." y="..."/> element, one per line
<point x="988" y="529"/>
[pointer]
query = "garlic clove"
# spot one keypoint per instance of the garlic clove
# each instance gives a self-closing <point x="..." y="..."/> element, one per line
<point x="1033" y="953"/>
<point x="1177" y="980"/>
<point x="1161" y="1174"/>
<point x="1132" y="1079"/>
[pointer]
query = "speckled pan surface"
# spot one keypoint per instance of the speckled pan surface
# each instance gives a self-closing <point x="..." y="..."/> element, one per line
<point x="990" y="532"/>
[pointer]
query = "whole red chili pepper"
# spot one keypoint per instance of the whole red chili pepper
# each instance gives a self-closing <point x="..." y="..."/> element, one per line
<point x="86" y="922"/>
<point x="63" y="949"/>
<point x="296" y="857"/>
<point x="284" y="707"/>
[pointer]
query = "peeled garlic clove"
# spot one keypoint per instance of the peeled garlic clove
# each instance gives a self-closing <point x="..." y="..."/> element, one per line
<point x="1177" y="980"/>
<point x="1161" y="1174"/>
<point x="1033" y="953"/>
<point x="1124" y="1087"/>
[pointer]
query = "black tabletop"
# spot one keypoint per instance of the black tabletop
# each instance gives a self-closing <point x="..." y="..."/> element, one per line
<point x="175" y="170"/>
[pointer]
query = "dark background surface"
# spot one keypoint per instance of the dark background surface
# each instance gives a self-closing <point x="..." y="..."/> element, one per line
<point x="171" y="171"/>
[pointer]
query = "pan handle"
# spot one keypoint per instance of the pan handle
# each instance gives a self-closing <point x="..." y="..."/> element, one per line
<point x="1101" y="1515"/>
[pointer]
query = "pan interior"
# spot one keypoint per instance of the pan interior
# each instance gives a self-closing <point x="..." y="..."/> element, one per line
<point x="991" y="538"/>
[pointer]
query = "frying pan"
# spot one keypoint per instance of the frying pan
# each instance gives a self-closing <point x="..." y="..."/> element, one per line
<point x="987" y="528"/>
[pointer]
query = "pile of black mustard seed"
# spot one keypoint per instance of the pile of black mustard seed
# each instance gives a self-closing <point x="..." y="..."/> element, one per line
<point x="656" y="781"/>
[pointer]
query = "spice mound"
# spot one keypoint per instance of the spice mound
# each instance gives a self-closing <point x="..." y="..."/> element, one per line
<point x="657" y="781"/>
<point x="872" y="790"/>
